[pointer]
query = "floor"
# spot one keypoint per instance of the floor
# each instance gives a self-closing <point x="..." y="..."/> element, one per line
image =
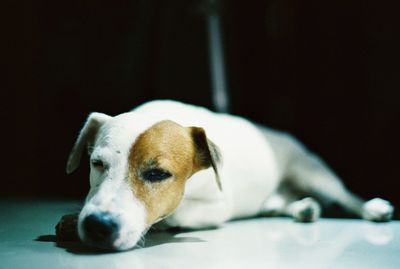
<point x="27" y="241"/>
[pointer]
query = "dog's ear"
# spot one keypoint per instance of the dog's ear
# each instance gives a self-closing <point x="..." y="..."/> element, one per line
<point x="86" y="137"/>
<point x="207" y="153"/>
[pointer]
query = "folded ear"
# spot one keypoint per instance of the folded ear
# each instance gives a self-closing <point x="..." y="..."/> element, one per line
<point x="86" y="136"/>
<point x="207" y="153"/>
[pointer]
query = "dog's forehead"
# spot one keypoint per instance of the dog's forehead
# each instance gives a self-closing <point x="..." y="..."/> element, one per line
<point x="121" y="131"/>
<point x="164" y="138"/>
<point x="164" y="133"/>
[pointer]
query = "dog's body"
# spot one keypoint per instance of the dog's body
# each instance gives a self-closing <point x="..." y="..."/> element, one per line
<point x="141" y="162"/>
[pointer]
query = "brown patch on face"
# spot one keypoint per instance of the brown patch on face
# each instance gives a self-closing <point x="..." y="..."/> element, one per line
<point x="169" y="147"/>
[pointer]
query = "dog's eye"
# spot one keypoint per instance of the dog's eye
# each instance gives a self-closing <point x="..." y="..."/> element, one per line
<point x="155" y="175"/>
<point x="98" y="164"/>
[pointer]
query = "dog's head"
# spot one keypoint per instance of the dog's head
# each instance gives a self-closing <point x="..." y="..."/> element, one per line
<point x="138" y="171"/>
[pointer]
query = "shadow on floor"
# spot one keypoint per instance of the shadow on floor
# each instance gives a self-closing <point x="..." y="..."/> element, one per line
<point x="152" y="239"/>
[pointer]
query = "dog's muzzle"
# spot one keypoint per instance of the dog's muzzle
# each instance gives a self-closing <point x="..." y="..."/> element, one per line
<point x="101" y="230"/>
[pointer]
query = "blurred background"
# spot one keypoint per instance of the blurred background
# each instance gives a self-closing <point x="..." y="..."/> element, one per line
<point x="326" y="71"/>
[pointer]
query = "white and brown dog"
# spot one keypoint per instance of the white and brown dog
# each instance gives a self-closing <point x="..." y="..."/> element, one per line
<point x="189" y="167"/>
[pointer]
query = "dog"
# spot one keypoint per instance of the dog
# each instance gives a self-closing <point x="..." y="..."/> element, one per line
<point x="179" y="165"/>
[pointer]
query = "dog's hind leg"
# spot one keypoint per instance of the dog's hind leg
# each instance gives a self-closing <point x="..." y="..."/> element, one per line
<point x="308" y="175"/>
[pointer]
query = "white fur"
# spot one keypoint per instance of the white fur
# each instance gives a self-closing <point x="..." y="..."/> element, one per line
<point x="255" y="163"/>
<point x="377" y="210"/>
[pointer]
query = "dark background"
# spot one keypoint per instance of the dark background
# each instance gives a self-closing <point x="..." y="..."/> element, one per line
<point x="326" y="71"/>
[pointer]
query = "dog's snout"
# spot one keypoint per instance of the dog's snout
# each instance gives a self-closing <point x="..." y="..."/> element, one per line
<point x="101" y="229"/>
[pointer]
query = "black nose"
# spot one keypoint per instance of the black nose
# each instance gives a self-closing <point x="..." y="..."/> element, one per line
<point x="101" y="229"/>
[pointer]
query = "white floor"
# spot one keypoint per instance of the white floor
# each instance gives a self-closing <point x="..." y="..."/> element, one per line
<point x="27" y="241"/>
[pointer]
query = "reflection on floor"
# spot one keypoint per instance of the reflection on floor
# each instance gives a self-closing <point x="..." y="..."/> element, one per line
<point x="27" y="241"/>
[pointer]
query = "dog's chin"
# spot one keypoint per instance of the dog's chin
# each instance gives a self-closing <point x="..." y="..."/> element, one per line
<point x="127" y="243"/>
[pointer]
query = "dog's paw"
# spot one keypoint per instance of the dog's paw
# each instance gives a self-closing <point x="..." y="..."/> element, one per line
<point x="66" y="228"/>
<point x="305" y="210"/>
<point x="377" y="210"/>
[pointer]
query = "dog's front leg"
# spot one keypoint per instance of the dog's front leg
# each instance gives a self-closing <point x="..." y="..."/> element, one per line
<point x="199" y="214"/>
